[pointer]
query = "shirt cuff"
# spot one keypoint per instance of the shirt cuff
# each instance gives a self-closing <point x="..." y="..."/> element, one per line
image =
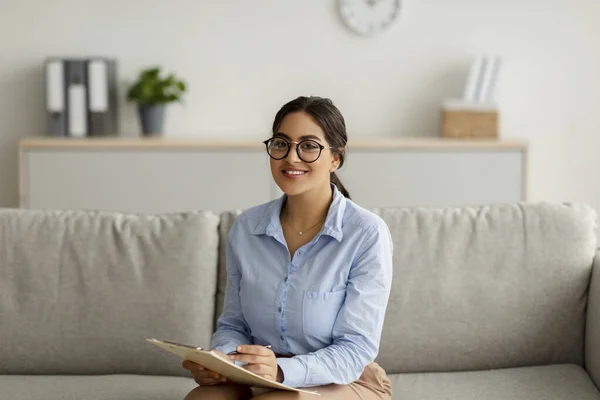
<point x="294" y="371"/>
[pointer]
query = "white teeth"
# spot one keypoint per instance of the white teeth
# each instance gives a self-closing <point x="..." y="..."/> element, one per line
<point x="295" y="172"/>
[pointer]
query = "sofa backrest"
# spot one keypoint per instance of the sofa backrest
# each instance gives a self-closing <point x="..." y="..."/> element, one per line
<point x="80" y="291"/>
<point x="473" y="287"/>
<point x="487" y="287"/>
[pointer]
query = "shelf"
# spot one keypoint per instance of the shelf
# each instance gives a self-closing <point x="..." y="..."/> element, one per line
<point x="416" y="143"/>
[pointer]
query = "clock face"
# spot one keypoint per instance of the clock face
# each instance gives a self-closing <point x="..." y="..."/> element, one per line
<point x="369" y="17"/>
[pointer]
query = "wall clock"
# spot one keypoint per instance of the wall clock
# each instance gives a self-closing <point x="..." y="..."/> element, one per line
<point x="369" y="17"/>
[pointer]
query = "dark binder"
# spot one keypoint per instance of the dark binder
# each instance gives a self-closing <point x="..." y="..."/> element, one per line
<point x="102" y="96"/>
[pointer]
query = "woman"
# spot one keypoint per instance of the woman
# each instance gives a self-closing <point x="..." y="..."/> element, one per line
<point x="308" y="274"/>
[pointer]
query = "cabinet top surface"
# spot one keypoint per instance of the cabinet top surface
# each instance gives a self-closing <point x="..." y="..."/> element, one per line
<point x="166" y="143"/>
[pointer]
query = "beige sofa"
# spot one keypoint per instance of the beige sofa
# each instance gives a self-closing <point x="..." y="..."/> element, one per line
<point x="496" y="302"/>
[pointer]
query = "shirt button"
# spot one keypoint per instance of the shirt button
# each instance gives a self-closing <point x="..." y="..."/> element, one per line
<point x="285" y="280"/>
<point x="281" y="337"/>
<point x="279" y="309"/>
<point x="299" y="251"/>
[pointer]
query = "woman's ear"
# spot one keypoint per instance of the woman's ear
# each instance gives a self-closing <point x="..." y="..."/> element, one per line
<point x="335" y="163"/>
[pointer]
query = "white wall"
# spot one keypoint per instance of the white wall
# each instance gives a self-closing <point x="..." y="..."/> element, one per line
<point x="243" y="59"/>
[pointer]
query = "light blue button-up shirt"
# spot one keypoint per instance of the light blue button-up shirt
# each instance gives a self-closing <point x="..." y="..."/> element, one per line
<point x="325" y="306"/>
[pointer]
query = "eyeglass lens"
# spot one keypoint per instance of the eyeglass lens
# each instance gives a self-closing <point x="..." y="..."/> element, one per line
<point x="308" y="150"/>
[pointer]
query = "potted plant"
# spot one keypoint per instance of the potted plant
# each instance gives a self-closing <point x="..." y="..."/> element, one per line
<point x="152" y="93"/>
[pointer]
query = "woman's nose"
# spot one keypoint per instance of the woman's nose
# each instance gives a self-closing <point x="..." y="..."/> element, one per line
<point x="293" y="153"/>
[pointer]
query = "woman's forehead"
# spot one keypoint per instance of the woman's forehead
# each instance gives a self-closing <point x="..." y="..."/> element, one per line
<point x="299" y="138"/>
<point x="298" y="126"/>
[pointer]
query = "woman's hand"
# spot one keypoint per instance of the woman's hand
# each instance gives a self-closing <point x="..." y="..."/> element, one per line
<point x="260" y="360"/>
<point x="203" y="376"/>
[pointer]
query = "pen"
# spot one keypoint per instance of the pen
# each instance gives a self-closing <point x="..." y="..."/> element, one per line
<point x="231" y="353"/>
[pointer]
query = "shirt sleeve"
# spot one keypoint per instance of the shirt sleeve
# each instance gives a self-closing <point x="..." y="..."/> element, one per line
<point x="232" y="328"/>
<point x="357" y="329"/>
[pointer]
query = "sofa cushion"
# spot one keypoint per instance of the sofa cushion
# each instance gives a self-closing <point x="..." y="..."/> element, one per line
<point x="80" y="291"/>
<point x="227" y="220"/>
<point x="592" y="325"/>
<point x="556" y="382"/>
<point x="100" y="387"/>
<point x="487" y="287"/>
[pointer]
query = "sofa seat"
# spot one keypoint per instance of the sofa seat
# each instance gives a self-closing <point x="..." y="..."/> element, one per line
<point x="553" y="382"/>
<point x="94" y="387"/>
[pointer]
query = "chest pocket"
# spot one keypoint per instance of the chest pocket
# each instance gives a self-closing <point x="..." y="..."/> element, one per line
<point x="320" y="310"/>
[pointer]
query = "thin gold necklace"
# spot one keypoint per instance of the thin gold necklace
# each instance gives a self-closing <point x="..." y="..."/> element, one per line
<point x="307" y="229"/>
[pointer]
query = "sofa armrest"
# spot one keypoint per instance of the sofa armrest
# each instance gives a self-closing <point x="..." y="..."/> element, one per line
<point x="592" y="330"/>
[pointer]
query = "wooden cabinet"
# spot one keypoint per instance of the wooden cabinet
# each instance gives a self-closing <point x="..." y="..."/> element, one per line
<point x="390" y="177"/>
<point x="166" y="175"/>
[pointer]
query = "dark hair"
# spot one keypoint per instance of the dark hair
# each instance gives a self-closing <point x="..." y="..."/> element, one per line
<point x="331" y="121"/>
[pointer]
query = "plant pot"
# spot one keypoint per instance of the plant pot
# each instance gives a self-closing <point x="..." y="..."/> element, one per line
<point x="152" y="118"/>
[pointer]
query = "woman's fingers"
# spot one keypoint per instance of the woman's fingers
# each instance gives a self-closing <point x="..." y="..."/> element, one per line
<point x="190" y="365"/>
<point x="259" y="369"/>
<point x="210" y="382"/>
<point x="208" y="378"/>
<point x="250" y="358"/>
<point x="259" y="359"/>
<point x="253" y="354"/>
<point x="203" y="376"/>
<point x="254" y="349"/>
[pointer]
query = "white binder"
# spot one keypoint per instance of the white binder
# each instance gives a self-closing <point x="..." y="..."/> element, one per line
<point x="76" y="98"/>
<point x="98" y="84"/>
<point x="55" y="97"/>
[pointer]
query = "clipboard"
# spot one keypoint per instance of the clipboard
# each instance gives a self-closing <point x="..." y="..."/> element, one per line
<point x="216" y="363"/>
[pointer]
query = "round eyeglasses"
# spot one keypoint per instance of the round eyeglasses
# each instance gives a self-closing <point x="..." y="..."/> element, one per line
<point x="308" y="150"/>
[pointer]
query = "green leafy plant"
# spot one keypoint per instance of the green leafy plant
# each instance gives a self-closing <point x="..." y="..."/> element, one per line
<point x="152" y="89"/>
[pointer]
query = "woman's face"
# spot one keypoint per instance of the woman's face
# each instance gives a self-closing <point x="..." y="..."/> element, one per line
<point x="293" y="175"/>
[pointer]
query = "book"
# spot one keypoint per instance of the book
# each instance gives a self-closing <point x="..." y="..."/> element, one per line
<point x="214" y="362"/>
<point x="474" y="79"/>
<point x="488" y="83"/>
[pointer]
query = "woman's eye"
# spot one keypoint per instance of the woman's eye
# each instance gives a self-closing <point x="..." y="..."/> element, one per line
<point x="309" y="146"/>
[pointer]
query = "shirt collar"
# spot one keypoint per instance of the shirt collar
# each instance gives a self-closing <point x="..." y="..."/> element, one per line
<point x="270" y="224"/>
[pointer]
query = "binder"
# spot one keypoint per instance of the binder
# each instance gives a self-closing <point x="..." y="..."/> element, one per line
<point x="55" y="97"/>
<point x="102" y="96"/>
<point x="76" y="95"/>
